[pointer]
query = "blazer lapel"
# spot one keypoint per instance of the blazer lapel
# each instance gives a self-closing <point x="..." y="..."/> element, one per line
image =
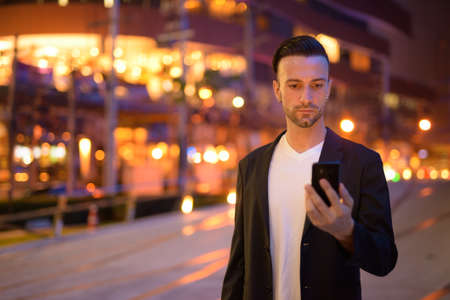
<point x="331" y="151"/>
<point x="263" y="183"/>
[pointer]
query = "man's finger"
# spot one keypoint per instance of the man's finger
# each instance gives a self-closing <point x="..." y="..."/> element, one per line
<point x="348" y="200"/>
<point x="310" y="207"/>
<point x="311" y="210"/>
<point x="318" y="203"/>
<point x="331" y="193"/>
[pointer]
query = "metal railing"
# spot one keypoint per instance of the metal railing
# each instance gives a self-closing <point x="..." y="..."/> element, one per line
<point x="62" y="207"/>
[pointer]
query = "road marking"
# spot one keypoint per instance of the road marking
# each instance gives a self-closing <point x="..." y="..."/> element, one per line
<point x="213" y="222"/>
<point x="422" y="225"/>
<point x="408" y="191"/>
<point x="438" y="294"/>
<point x="216" y="255"/>
<point x="187" y="279"/>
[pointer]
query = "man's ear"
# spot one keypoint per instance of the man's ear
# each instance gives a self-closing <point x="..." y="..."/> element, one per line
<point x="276" y="89"/>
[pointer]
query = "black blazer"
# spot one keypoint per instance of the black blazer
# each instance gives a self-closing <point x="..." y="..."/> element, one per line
<point x="327" y="271"/>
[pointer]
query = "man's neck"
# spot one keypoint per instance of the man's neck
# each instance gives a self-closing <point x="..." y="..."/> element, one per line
<point x="302" y="139"/>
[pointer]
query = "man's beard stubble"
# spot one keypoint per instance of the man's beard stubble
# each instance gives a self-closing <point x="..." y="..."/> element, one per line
<point x="303" y="122"/>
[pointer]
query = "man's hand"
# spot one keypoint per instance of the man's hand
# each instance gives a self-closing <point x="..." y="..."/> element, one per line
<point x="335" y="219"/>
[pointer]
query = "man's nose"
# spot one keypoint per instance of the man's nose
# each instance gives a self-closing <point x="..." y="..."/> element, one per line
<point x="306" y="96"/>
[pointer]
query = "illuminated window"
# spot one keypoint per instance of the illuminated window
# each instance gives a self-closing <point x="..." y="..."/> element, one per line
<point x="331" y="46"/>
<point x="359" y="61"/>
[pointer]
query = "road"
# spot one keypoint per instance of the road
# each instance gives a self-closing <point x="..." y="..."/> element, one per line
<point x="176" y="256"/>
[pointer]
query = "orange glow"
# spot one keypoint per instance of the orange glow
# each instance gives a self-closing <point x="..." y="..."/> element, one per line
<point x="407" y="174"/>
<point x="44" y="177"/>
<point x="86" y="71"/>
<point x="231" y="198"/>
<point x="108" y="3"/>
<point x="43" y="63"/>
<point x="185" y="280"/>
<point x="192" y="4"/>
<point x="21" y="177"/>
<point x="434" y="174"/>
<point x="203" y="188"/>
<point x="140" y="135"/>
<point x="425" y="124"/>
<point x="231" y="213"/>
<point x="347" y="125"/>
<point x="127" y="151"/>
<point x="120" y="65"/>
<point x="210" y="155"/>
<point x="118" y="52"/>
<point x="188" y="230"/>
<point x="331" y="46"/>
<point x="167" y="59"/>
<point x="189" y="90"/>
<point x="210" y="256"/>
<point x="167" y="85"/>
<point x="94" y="51"/>
<point x="205" y="93"/>
<point x="100" y="155"/>
<point x="157" y="153"/>
<point x="425" y="192"/>
<point x="97" y="193"/>
<point x="241" y="7"/>
<point x="394" y="154"/>
<point x="224" y="155"/>
<point x="76" y="53"/>
<point x="421" y="174"/>
<point x="437" y="294"/>
<point x="187" y="205"/>
<point x="414" y="162"/>
<point x="197" y="158"/>
<point x="90" y="187"/>
<point x="174" y="150"/>
<point x="359" y="61"/>
<point x="209" y="102"/>
<point x="175" y="72"/>
<point x="98" y="78"/>
<point x="84" y="146"/>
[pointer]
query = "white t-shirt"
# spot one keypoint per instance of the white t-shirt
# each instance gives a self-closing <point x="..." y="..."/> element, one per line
<point x="289" y="172"/>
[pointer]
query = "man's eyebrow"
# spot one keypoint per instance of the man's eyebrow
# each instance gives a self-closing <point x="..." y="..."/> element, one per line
<point x="314" y="80"/>
<point x="294" y="80"/>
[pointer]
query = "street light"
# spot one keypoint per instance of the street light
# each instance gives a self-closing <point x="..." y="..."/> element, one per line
<point x="424" y="124"/>
<point x="187" y="204"/>
<point x="238" y="101"/>
<point x="347" y="125"/>
<point x="231" y="197"/>
<point x="85" y="146"/>
<point x="205" y="93"/>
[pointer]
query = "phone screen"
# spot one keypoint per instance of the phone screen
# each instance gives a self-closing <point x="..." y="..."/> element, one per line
<point x="329" y="171"/>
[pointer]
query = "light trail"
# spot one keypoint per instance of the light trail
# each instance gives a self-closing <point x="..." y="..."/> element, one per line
<point x="214" y="256"/>
<point x="214" y="222"/>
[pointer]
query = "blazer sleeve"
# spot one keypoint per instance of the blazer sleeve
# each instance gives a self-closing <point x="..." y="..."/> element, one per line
<point x="233" y="283"/>
<point x="373" y="236"/>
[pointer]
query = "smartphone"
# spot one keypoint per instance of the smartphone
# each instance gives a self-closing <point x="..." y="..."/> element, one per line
<point x="329" y="171"/>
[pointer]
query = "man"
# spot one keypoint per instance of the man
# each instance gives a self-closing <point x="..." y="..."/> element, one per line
<point x="287" y="244"/>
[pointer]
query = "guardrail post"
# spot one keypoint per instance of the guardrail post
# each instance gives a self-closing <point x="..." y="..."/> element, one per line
<point x="130" y="208"/>
<point x="58" y="222"/>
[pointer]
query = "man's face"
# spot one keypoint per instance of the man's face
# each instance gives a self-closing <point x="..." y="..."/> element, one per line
<point x="302" y="88"/>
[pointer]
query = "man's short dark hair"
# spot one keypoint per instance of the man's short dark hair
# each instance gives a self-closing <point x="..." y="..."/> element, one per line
<point x="303" y="45"/>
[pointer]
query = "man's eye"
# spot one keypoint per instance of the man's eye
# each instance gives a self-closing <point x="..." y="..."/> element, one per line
<point x="294" y="86"/>
<point x="318" y="86"/>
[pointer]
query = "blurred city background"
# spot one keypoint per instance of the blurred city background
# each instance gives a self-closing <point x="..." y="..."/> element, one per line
<point x="122" y="123"/>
